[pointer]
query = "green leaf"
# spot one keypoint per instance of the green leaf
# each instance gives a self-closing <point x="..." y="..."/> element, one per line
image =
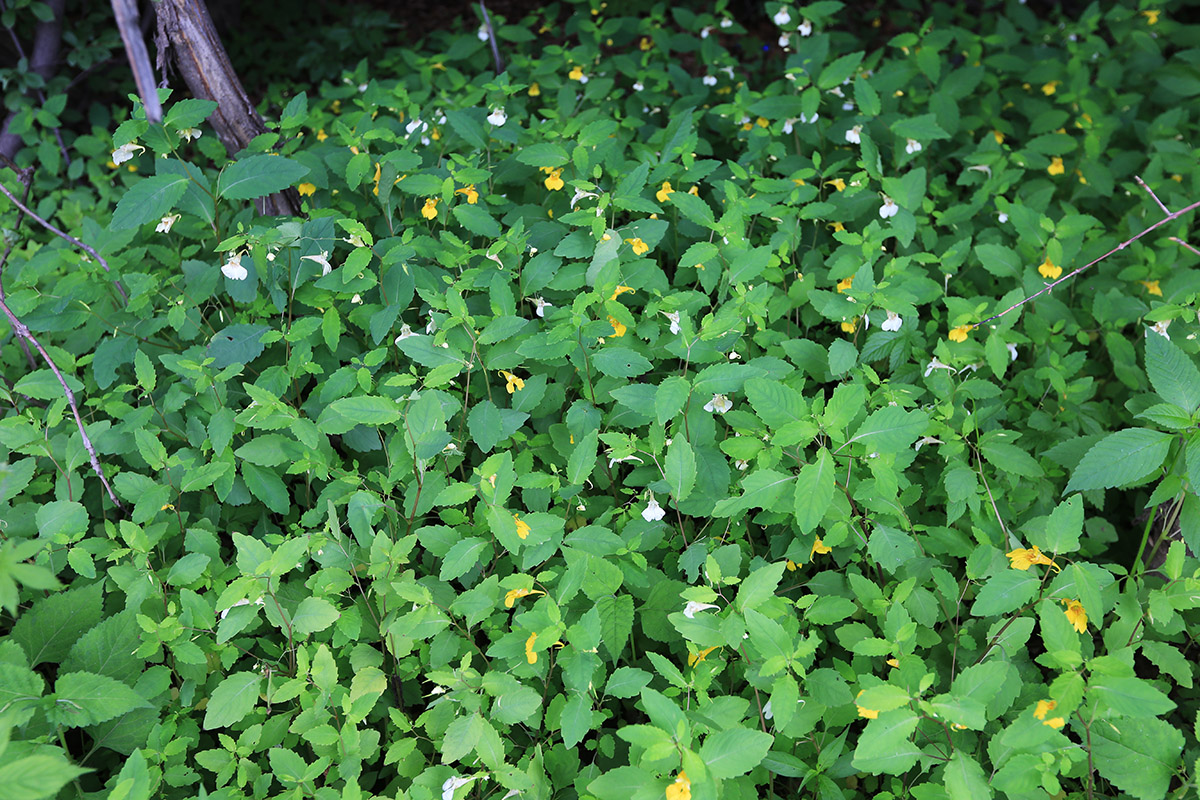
<point x="47" y="631"/>
<point x="1064" y="526"/>
<point x="259" y="175"/>
<point x="65" y="520"/>
<point x="620" y="362"/>
<point x="576" y="718"/>
<point x="582" y="460"/>
<point x="232" y="700"/>
<point x="1133" y="697"/>
<point x="693" y="208"/>
<point x="814" y="491"/>
<point x="760" y="585"/>
<point x="1005" y="592"/>
<point x="461" y="738"/>
<point x="891" y="429"/>
<point x="1172" y="373"/>
<point x="670" y="397"/>
<point x="775" y="403"/>
<point x="1138" y="756"/>
<point x="1119" y="459"/>
<point x="543" y="154"/>
<point x="267" y="486"/>
<point x="680" y="468"/>
<point x="923" y="128"/>
<point x="314" y="614"/>
<point x="462" y="557"/>
<point x="965" y="779"/>
<point x="149" y="199"/>
<point x="833" y="74"/>
<point x="735" y="751"/>
<point x="616" y="622"/>
<point x="425" y="422"/>
<point x="237" y="344"/>
<point x="86" y="698"/>
<point x="627" y="682"/>
<point x="490" y="425"/>
<point x="477" y="220"/>
<point x="41" y="776"/>
<point x="866" y="97"/>
<point x="884" y="745"/>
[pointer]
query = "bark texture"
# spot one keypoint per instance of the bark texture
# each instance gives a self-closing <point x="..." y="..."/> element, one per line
<point x="187" y="37"/>
<point x="139" y="59"/>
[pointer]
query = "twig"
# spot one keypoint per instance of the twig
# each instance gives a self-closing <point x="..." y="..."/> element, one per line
<point x="25" y="176"/>
<point x="487" y="20"/>
<point x="55" y="230"/>
<point x="1169" y="218"/>
<point x="1177" y="240"/>
<point x="1150" y="192"/>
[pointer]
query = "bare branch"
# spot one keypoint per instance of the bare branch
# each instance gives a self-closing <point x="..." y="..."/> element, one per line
<point x="139" y="58"/>
<point x="1150" y="192"/>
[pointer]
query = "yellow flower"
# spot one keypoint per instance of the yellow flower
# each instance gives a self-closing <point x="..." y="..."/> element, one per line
<point x="620" y="291"/>
<point x="1049" y="269"/>
<point x="576" y="73"/>
<point x="306" y="189"/>
<point x="1044" y="707"/>
<point x="469" y="191"/>
<point x="762" y="122"/>
<point x="837" y="183"/>
<point x="850" y="326"/>
<point x="516" y="594"/>
<point x="696" y="658"/>
<point x="837" y="228"/>
<point x="959" y="334"/>
<point x="681" y="789"/>
<point x="1056" y="166"/>
<point x="844" y="284"/>
<point x="336" y="106"/>
<point x="535" y="90"/>
<point x="1050" y="88"/>
<point x="555" y="181"/>
<point x="530" y="656"/>
<point x="1076" y="614"/>
<point x="1177" y="178"/>
<point x="378" y="172"/>
<point x="112" y="164"/>
<point x="865" y="713"/>
<point x="1082" y="179"/>
<point x="639" y="247"/>
<point x="1152" y="287"/>
<point x="645" y="44"/>
<point x="322" y="135"/>
<point x="1024" y="559"/>
<point x="819" y="547"/>
<point x="618" y="328"/>
<point x="515" y="384"/>
<point x="664" y="192"/>
<point x="1151" y="16"/>
<point x="354" y="149"/>
<point x="1056" y="722"/>
<point x="429" y="211"/>
<point x="891" y="662"/>
<point x="523" y="530"/>
<point x="999" y="137"/>
<point x="791" y="565"/>
<point x="694" y="190"/>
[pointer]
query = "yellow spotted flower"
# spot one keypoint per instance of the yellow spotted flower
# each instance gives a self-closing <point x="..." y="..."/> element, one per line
<point x="664" y="192"/>
<point x="1056" y="166"/>
<point x="819" y="547"/>
<point x="1025" y="558"/>
<point x="837" y="183"/>
<point x="681" y="789"/>
<point x="1151" y="16"/>
<point x="645" y="44"/>
<point x="792" y="566"/>
<point x="696" y="658"/>
<point x="618" y="328"/>
<point x="378" y="172"/>
<point x="469" y="191"/>
<point x="429" y="211"/>
<point x="576" y="73"/>
<point x="1075" y="614"/>
<point x="1050" y="88"/>
<point x="535" y="90"/>
<point x="959" y="334"/>
<point x="306" y="189"/>
<point x="694" y="190"/>
<point x="322" y="135"/>
<point x="850" y="326"/>
<point x="530" y="656"/>
<point x="516" y="594"/>
<point x="844" y="284"/>
<point x="639" y="247"/>
<point x="1152" y="287"/>
<point x="620" y="291"/>
<point x="999" y="137"/>
<point x="555" y="182"/>
<point x="523" y="530"/>
<point x="865" y="713"/>
<point x="1049" y="269"/>
<point x="836" y="227"/>
<point x="515" y="384"/>
<point x="1043" y="708"/>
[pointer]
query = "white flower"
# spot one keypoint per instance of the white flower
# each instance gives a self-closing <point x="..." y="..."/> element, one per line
<point x="808" y="120"/>
<point x="164" y="224"/>
<point x="719" y="404"/>
<point x="583" y="79"/>
<point x="727" y="23"/>
<point x="912" y="146"/>
<point x="354" y="240"/>
<point x="580" y="194"/>
<point x="936" y="364"/>
<point x="615" y="460"/>
<point x="893" y="322"/>
<point x="709" y="80"/>
<point x="854" y="135"/>
<point x="926" y="440"/>
<point x="450" y="784"/>
<point x="727" y="69"/>
<point x="838" y="91"/>
<point x="706" y="31"/>
<point x="692" y="607"/>
<point x="787" y="126"/>
<point x="356" y="300"/>
<point x="431" y="326"/>
<point x="805" y="28"/>
<point x="847" y="106"/>
<point x="1161" y="329"/>
<point x="637" y="86"/>
<point x="322" y="259"/>
<point x="482" y="33"/>
<point x="242" y="602"/>
<point x="126" y="152"/>
<point x="783" y="40"/>
<point x="768" y="712"/>
<point x="742" y="465"/>
<point x="673" y="317"/>
<point x="233" y="268"/>
<point x="1002" y="217"/>
<point x="405" y="332"/>
<point x="889" y="208"/>
<point x="414" y="125"/>
<point x="653" y="512"/>
<point x="782" y="17"/>
<point x="1012" y="350"/>
<point x="540" y="306"/>
<point x="188" y="134"/>
<point x="972" y="367"/>
<point x="733" y="355"/>
<point x="497" y="117"/>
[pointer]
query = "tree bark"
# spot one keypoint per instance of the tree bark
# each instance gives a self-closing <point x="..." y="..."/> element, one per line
<point x="44" y="62"/>
<point x="185" y="30"/>
<point x="139" y="60"/>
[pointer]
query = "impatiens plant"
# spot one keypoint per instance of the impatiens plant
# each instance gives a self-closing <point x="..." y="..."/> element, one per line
<point x="637" y="418"/>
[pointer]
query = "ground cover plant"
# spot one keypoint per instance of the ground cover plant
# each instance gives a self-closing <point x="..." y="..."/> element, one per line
<point x="648" y="417"/>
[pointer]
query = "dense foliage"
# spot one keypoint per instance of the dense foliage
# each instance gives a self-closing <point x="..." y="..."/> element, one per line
<point x="648" y="419"/>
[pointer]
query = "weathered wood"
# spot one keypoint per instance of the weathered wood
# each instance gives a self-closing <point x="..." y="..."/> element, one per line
<point x="139" y="58"/>
<point x="186" y="33"/>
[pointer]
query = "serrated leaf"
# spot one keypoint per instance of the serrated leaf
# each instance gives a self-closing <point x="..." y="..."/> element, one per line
<point x="86" y="698"/>
<point x="616" y="622"/>
<point x="891" y="429"/>
<point x="1120" y="459"/>
<point x="733" y="752"/>
<point x="150" y="199"/>
<point x="1172" y="373"/>
<point x="576" y="719"/>
<point x="314" y="614"/>
<point x="259" y="175"/>
<point x="814" y="491"/>
<point x="965" y="779"/>
<point x="582" y="460"/>
<point x="477" y="220"/>
<point x="232" y="700"/>
<point x="680" y="468"/>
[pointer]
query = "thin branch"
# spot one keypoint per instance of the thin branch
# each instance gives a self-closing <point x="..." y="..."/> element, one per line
<point x="1150" y="192"/>
<point x="25" y="176"/>
<point x="487" y="20"/>
<point x="1177" y="240"/>
<point x="56" y="231"/>
<point x="1169" y="218"/>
